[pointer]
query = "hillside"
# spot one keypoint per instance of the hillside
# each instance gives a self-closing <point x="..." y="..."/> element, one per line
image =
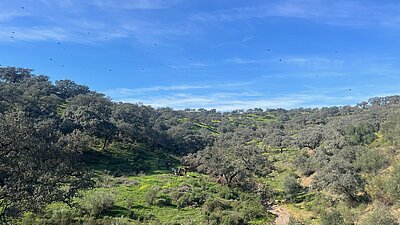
<point x="70" y="155"/>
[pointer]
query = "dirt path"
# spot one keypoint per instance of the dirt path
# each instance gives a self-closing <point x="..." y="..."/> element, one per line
<point x="281" y="213"/>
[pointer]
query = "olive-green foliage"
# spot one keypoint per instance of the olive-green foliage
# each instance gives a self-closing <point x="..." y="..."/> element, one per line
<point x="291" y="187"/>
<point x="151" y="194"/>
<point x="360" y="134"/>
<point x="62" y="216"/>
<point x="30" y="219"/>
<point x="339" y="174"/>
<point x="384" y="188"/>
<point x="332" y="218"/>
<point x="97" y="202"/>
<point x="372" y="160"/>
<point x="219" y="211"/>
<point x="391" y="128"/>
<point x="294" y="221"/>
<point x="380" y="215"/>
<point x="232" y="159"/>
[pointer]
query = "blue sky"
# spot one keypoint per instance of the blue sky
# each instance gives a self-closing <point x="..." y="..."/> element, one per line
<point x="224" y="54"/>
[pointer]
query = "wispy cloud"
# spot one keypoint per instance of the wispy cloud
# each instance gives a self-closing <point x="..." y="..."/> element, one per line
<point x="107" y="20"/>
<point x="344" y="13"/>
<point x="32" y="34"/>
<point x="120" y="93"/>
<point x="134" y="4"/>
<point x="242" y="100"/>
<point x="240" y="60"/>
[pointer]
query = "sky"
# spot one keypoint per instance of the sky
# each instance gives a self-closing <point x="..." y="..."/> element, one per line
<point x="223" y="54"/>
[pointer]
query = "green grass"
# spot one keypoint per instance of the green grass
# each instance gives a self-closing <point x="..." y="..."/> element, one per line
<point x="130" y="197"/>
<point x="126" y="160"/>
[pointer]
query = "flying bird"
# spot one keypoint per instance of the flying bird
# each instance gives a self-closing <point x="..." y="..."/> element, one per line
<point x="51" y="59"/>
<point x="22" y="7"/>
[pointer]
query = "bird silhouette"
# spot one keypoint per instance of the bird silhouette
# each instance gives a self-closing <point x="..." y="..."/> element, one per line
<point x="51" y="59"/>
<point x="269" y="49"/>
<point x="110" y="70"/>
<point x="22" y="7"/>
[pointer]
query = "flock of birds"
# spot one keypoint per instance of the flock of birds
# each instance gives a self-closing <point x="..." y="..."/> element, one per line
<point x="155" y="44"/>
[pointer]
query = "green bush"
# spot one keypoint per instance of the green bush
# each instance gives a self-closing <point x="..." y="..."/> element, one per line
<point x="233" y="219"/>
<point x="228" y="193"/>
<point x="385" y="188"/>
<point x="293" y="221"/>
<point x="152" y="194"/>
<point x="291" y="187"/>
<point x="164" y="201"/>
<point x="30" y="219"/>
<point x="380" y="215"/>
<point x="62" y="216"/>
<point x="371" y="160"/>
<point x="97" y="203"/>
<point x="332" y="218"/>
<point x="212" y="205"/>
<point x="252" y="209"/>
<point x="183" y="201"/>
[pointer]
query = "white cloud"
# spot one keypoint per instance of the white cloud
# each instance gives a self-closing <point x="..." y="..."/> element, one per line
<point x="343" y="13"/>
<point x="242" y="100"/>
<point x="33" y="34"/>
<point x="134" y="4"/>
<point x="129" y="92"/>
<point x="239" y="60"/>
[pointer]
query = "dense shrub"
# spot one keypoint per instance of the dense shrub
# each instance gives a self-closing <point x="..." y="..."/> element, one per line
<point x="62" y="216"/>
<point x="291" y="187"/>
<point x="294" y="221"/>
<point x="97" y="203"/>
<point x="152" y="194"/>
<point x="384" y="188"/>
<point x="332" y="218"/>
<point x="371" y="160"/>
<point x="380" y="215"/>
